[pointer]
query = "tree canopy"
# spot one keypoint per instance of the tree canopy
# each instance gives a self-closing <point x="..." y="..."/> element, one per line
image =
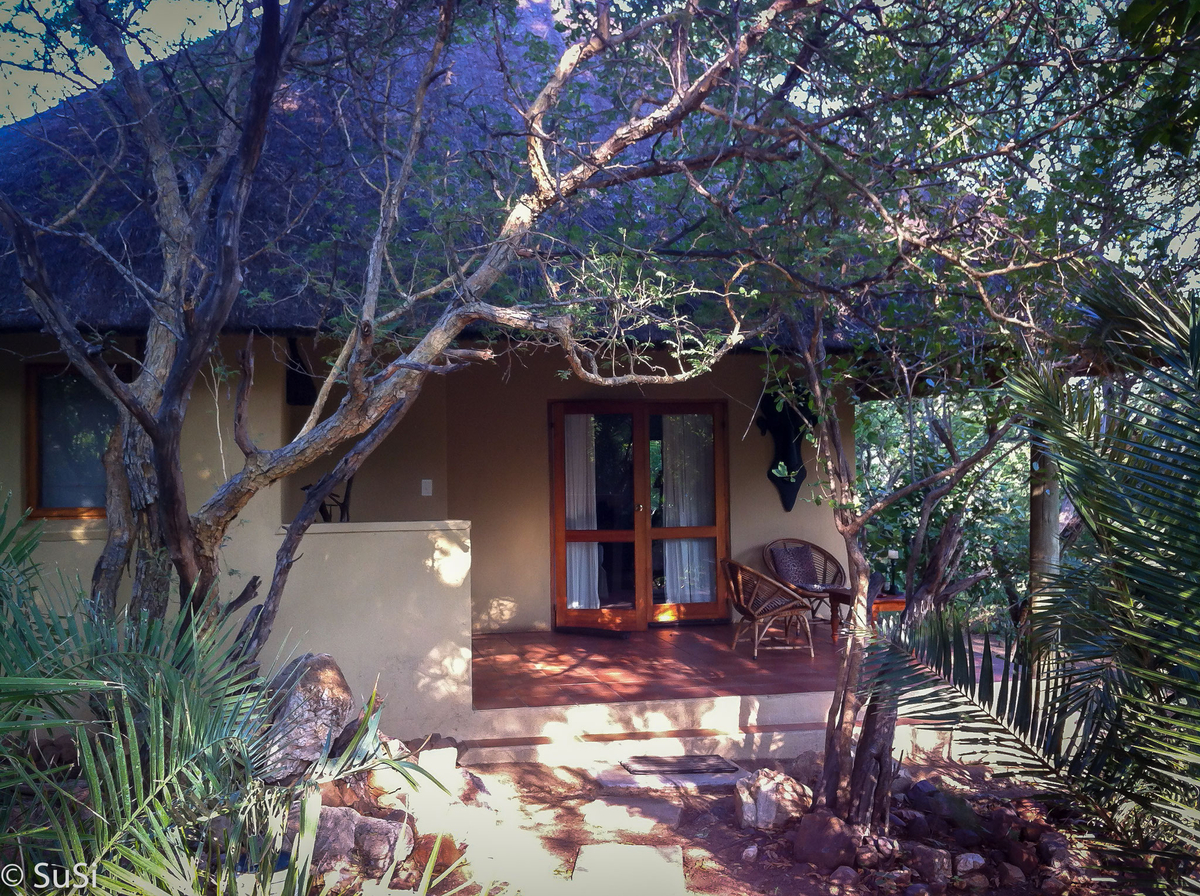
<point x="913" y="183"/>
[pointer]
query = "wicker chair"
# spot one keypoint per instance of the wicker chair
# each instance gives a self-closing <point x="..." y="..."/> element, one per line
<point x="828" y="572"/>
<point x="763" y="602"/>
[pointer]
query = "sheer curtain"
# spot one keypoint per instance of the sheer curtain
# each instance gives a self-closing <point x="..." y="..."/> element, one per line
<point x="689" y="564"/>
<point x="583" y="560"/>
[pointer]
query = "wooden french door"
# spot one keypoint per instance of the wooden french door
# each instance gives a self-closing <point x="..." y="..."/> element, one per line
<point x="641" y="512"/>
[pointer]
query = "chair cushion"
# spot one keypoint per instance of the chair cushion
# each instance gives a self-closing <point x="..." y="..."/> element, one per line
<point x="794" y="564"/>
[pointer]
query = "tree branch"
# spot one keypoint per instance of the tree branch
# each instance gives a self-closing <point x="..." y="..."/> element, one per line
<point x="241" y="411"/>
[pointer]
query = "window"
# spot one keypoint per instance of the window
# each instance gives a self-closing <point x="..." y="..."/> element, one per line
<point x="69" y="424"/>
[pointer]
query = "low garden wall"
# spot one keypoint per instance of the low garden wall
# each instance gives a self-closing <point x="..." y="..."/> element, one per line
<point x="390" y="601"/>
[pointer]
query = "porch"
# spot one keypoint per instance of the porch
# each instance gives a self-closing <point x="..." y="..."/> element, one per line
<point x="532" y="669"/>
<point x="571" y="699"/>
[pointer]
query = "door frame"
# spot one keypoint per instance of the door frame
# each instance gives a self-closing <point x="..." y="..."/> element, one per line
<point x="644" y="612"/>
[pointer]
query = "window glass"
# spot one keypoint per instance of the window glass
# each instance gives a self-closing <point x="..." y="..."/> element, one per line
<point x="74" y="424"/>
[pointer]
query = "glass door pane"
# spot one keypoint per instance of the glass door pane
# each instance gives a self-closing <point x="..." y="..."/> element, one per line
<point x="683" y="496"/>
<point x="599" y="464"/>
<point x="599" y="470"/>
<point x="684" y="570"/>
<point x="682" y="485"/>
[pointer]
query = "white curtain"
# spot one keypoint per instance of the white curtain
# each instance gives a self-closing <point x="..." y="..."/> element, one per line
<point x="689" y="564"/>
<point x="583" y="559"/>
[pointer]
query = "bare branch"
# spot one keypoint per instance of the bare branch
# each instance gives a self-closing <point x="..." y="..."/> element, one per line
<point x="241" y="412"/>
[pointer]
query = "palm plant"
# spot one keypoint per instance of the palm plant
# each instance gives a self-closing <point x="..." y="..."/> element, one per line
<point x="1099" y="699"/>
<point x="173" y="739"/>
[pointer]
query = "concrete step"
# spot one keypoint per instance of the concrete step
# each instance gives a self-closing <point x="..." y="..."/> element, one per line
<point x="579" y="735"/>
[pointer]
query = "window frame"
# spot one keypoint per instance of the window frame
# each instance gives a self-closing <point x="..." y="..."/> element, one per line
<point x="32" y="464"/>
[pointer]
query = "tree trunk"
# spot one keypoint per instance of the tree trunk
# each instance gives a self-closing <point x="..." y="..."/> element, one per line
<point x="1044" y="505"/>
<point x="110" y="565"/>
<point x="871" y="781"/>
<point x="833" y="787"/>
<point x="134" y="529"/>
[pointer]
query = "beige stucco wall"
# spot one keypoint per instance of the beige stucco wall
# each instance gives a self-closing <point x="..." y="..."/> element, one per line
<point x="499" y="468"/>
<point x="388" y="600"/>
<point x="388" y="486"/>
<point x="400" y="600"/>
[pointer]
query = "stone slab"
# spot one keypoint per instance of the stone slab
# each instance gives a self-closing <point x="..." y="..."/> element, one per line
<point x="605" y="869"/>
<point x="618" y="777"/>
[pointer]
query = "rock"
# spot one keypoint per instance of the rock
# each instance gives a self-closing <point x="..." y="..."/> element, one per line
<point x="968" y="862"/>
<point x="920" y="795"/>
<point x="1004" y="824"/>
<point x="350" y="847"/>
<point x="886" y="846"/>
<point x="844" y="877"/>
<point x="955" y="810"/>
<point x="376" y="841"/>
<point x="769" y="800"/>
<point x="1024" y="856"/>
<point x="866" y="857"/>
<point x="387" y="788"/>
<point x="807" y="767"/>
<point x="902" y="782"/>
<point x="939" y="828"/>
<point x="930" y="864"/>
<point x="1052" y="886"/>
<point x="824" y="840"/>
<point x="1009" y="875"/>
<point x="967" y="839"/>
<point x="1060" y="860"/>
<point x="916" y="890"/>
<point x="976" y="882"/>
<point x="449" y="852"/>
<point x="335" y="838"/>
<point x="1053" y="846"/>
<point x="902" y="876"/>
<point x="1033" y="830"/>
<point x="750" y="853"/>
<point x="331" y="794"/>
<point x="916" y="826"/>
<point x="317" y="708"/>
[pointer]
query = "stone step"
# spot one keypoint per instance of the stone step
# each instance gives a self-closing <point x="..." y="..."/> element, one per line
<point x="733" y="727"/>
<point x="587" y="735"/>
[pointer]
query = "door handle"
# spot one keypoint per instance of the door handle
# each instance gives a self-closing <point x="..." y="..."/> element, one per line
<point x="638" y="508"/>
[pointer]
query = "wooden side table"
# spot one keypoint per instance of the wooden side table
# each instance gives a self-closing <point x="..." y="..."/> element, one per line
<point x="844" y="597"/>
<point x="887" y="604"/>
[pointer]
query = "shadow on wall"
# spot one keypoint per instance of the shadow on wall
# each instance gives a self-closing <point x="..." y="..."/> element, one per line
<point x="496" y="614"/>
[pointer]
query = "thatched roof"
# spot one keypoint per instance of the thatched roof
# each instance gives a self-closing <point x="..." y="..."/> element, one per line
<point x="306" y="175"/>
<point x="306" y="166"/>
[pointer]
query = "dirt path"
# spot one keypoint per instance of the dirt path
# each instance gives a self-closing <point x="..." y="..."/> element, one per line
<point x="561" y="813"/>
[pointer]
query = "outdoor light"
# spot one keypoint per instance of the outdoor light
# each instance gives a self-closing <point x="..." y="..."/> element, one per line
<point x="893" y="556"/>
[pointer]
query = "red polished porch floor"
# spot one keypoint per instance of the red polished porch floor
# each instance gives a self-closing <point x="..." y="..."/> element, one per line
<point x="554" y="669"/>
